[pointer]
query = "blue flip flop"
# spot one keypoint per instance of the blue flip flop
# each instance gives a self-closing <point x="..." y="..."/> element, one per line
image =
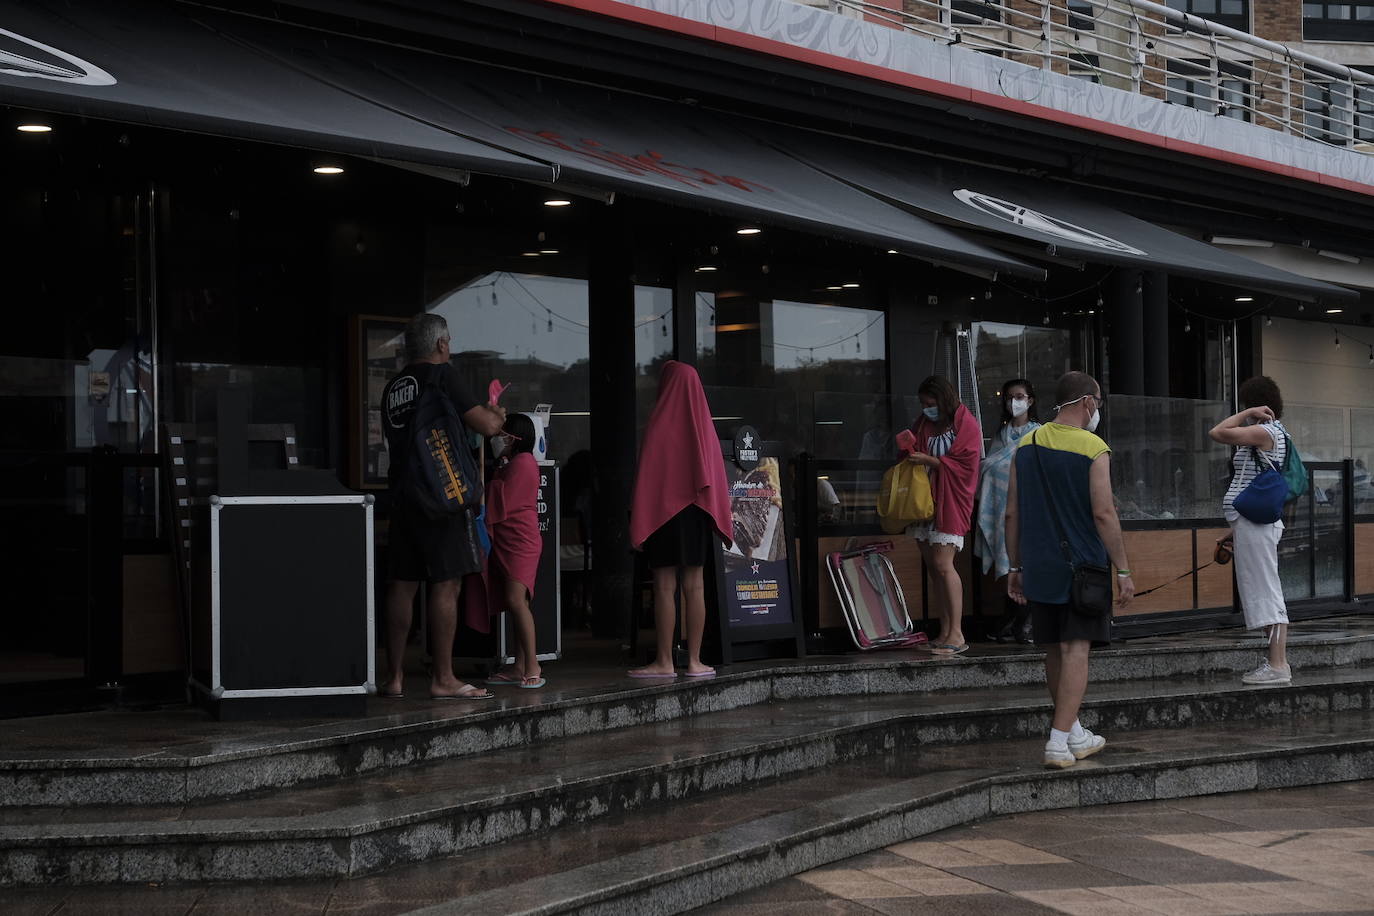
<point x="532" y="683"/>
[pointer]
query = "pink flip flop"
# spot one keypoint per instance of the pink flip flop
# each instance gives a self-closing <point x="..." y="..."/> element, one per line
<point x="710" y="673"/>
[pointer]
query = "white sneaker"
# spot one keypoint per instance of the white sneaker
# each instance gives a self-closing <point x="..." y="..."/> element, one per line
<point x="1059" y="756"/>
<point x="1268" y="676"/>
<point x="1087" y="745"/>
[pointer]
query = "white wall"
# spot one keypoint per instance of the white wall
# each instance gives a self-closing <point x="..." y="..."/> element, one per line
<point x="1327" y="392"/>
<point x="1302" y="357"/>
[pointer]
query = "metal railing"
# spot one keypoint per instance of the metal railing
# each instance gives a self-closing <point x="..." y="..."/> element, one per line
<point x="1151" y="49"/>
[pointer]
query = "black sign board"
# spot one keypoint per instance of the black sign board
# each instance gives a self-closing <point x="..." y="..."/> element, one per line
<point x="754" y="575"/>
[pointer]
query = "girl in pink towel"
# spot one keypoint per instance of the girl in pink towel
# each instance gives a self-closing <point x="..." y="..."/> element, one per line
<point x="513" y="521"/>
<point x="681" y="508"/>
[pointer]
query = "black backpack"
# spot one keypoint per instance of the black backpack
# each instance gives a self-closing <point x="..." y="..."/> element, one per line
<point x="440" y="479"/>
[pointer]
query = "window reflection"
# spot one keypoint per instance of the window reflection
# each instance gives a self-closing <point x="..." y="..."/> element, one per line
<point x="531" y="332"/>
<point x="1164" y="465"/>
<point x="1006" y="351"/>
<point x="812" y="374"/>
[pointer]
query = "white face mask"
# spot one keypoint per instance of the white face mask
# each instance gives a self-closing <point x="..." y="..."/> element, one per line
<point x="1092" y="423"/>
<point x="1019" y="406"/>
<point x="499" y="445"/>
<point x="932" y="413"/>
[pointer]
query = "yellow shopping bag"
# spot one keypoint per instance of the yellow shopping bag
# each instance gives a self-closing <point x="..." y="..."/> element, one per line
<point x="904" y="497"/>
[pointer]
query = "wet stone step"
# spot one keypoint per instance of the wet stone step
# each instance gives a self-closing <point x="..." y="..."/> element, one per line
<point x="682" y="756"/>
<point x="425" y="812"/>
<point x="179" y="756"/>
<point x="668" y="859"/>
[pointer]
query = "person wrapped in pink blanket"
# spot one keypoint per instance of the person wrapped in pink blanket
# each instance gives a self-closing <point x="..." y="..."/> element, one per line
<point x="513" y="521"/>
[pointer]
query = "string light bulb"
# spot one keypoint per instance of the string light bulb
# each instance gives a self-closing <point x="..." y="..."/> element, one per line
<point x="1187" y="326"/>
<point x="1338" y="340"/>
<point x="1046" y="320"/>
<point x="1268" y="321"/>
<point x="858" y="344"/>
<point x="1371" y="355"/>
<point x="550" y="311"/>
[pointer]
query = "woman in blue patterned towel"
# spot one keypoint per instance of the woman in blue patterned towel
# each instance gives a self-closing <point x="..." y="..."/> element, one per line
<point x="1019" y="417"/>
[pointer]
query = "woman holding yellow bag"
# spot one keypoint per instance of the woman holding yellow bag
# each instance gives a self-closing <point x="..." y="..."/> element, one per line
<point x="948" y="444"/>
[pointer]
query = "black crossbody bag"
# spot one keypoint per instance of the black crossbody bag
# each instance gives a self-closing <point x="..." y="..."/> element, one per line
<point x="1091" y="592"/>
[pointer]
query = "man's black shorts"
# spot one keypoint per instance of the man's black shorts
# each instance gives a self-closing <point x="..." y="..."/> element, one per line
<point x="426" y="550"/>
<point x="1054" y="623"/>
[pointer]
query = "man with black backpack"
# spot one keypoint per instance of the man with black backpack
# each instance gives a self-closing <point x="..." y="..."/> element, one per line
<point x="435" y="493"/>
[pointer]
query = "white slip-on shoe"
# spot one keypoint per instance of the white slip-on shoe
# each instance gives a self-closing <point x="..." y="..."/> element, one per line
<point x="1267" y="675"/>
<point x="1087" y="745"/>
<point x="1059" y="756"/>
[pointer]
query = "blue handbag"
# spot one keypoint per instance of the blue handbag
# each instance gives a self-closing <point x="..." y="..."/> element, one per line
<point x="1262" y="501"/>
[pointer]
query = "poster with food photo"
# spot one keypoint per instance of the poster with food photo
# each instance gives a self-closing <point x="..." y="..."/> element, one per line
<point x="756" y="570"/>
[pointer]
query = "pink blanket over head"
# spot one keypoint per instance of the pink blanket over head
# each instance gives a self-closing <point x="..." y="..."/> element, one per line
<point x="680" y="464"/>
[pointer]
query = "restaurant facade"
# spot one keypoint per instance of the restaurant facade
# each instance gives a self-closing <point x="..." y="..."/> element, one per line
<point x="252" y="198"/>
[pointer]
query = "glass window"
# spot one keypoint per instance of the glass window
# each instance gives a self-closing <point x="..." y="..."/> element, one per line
<point x="530" y="331"/>
<point x="808" y="372"/>
<point x="1362" y="451"/>
<point x="1164" y="465"/>
<point x="653" y="346"/>
<point x="1002" y="352"/>
<point x="1233" y="13"/>
<point x="1319" y="431"/>
<point x="1333" y="21"/>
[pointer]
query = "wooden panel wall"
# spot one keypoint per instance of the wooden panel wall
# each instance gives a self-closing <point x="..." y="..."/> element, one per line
<point x="1215" y="584"/>
<point x="152" y="628"/>
<point x="1364" y="559"/>
<point x="1156" y="557"/>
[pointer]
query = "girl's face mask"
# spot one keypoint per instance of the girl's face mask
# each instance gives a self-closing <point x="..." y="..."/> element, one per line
<point x="1019" y="406"/>
<point x="502" y="443"/>
<point x="932" y="413"/>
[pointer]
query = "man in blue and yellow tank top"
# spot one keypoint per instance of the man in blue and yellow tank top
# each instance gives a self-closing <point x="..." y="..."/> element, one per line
<point x="1060" y="497"/>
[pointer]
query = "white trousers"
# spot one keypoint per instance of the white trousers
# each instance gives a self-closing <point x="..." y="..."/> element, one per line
<point x="1257" y="573"/>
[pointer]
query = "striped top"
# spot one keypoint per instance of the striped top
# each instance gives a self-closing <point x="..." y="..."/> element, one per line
<point x="1244" y="468"/>
<point x="939" y="446"/>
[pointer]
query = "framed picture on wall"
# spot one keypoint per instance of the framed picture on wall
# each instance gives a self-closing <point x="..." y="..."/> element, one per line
<point x="376" y="353"/>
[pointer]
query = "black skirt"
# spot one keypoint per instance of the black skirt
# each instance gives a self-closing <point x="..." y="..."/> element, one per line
<point x="686" y="539"/>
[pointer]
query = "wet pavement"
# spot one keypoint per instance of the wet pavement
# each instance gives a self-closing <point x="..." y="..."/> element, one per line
<point x="1308" y="850"/>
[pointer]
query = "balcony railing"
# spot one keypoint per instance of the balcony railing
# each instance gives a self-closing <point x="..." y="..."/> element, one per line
<point x="1156" y="51"/>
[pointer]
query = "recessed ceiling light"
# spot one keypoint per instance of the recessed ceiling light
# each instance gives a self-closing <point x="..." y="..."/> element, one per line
<point x="34" y="128"/>
<point x="748" y="230"/>
<point x="1245" y="298"/>
<point x="892" y="251"/>
<point x="705" y="268"/>
<point x="529" y="254"/>
<point x="851" y="286"/>
<point x="558" y="202"/>
<point x="328" y="170"/>
<point x="834" y="287"/>
<point x="548" y="251"/>
<point x="1334" y="311"/>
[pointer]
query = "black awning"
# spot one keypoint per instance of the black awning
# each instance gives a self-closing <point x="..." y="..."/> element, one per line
<point x="172" y="66"/>
<point x="201" y="69"/>
<point x="1051" y="217"/>
<point x="596" y="137"/>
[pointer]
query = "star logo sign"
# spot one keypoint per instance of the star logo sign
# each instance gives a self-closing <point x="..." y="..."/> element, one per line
<point x="748" y="440"/>
<point x="755" y="567"/>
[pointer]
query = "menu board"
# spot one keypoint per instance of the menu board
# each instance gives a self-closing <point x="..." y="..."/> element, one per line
<point x="757" y="585"/>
